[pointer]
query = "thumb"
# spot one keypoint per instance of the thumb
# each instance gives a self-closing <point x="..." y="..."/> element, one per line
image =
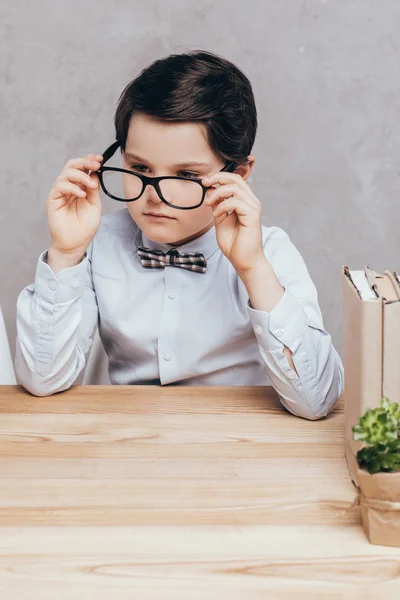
<point x="93" y="194"/>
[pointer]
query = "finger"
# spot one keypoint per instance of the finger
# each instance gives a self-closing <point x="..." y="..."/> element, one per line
<point x="225" y="191"/>
<point x="93" y="192"/>
<point x="220" y="193"/>
<point x="97" y="159"/>
<point x="76" y="176"/>
<point x="85" y="163"/>
<point x="234" y="178"/>
<point x="230" y="217"/>
<point x="90" y="158"/>
<point x="222" y="177"/>
<point x="66" y="187"/>
<point x="237" y="205"/>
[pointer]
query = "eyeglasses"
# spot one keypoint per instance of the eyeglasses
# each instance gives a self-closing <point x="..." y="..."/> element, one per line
<point x="123" y="185"/>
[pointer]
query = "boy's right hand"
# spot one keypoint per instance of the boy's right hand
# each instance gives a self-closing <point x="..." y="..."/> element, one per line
<point x="74" y="207"/>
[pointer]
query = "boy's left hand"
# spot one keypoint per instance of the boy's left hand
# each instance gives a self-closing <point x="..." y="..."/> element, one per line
<point x="239" y="233"/>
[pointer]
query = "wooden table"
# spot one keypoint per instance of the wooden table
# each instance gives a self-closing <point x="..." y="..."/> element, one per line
<point x="179" y="492"/>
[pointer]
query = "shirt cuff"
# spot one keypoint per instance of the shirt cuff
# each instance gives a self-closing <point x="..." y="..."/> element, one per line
<point x="284" y="325"/>
<point x="63" y="287"/>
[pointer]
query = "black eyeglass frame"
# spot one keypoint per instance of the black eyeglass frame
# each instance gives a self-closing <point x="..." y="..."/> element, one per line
<point x="154" y="181"/>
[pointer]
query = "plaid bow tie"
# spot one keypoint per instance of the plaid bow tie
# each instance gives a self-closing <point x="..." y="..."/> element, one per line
<point x="157" y="259"/>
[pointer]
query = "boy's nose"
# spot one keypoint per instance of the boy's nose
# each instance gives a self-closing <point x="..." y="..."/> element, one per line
<point x="151" y="195"/>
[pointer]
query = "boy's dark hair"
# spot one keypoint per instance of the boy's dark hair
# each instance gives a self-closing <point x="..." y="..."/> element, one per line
<point x="197" y="86"/>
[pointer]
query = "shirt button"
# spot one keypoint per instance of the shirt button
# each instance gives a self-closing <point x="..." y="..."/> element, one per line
<point x="74" y="283"/>
<point x="279" y="332"/>
<point x="52" y="285"/>
<point x="171" y="295"/>
<point x="258" y="329"/>
<point x="167" y="356"/>
<point x="44" y="328"/>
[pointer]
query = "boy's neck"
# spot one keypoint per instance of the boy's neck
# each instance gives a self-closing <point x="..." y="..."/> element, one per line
<point x="204" y="241"/>
<point x="192" y="237"/>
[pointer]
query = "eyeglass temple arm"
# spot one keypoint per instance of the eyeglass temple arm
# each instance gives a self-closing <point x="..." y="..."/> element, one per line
<point x="107" y="154"/>
<point x="230" y="167"/>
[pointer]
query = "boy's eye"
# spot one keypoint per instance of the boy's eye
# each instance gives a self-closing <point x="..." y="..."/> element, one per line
<point x="139" y="168"/>
<point x="189" y="175"/>
<point x="185" y="174"/>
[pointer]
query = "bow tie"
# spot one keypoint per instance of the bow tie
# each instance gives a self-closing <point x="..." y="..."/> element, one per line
<point x="157" y="259"/>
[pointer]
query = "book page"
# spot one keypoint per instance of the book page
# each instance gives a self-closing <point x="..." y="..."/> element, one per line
<point x="361" y="283"/>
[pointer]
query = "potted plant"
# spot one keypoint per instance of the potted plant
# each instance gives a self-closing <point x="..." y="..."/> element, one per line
<point x="379" y="472"/>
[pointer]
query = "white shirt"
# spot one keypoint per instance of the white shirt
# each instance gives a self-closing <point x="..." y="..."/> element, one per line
<point x="173" y="326"/>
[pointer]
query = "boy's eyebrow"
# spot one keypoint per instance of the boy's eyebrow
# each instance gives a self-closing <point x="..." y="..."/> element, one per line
<point x="180" y="165"/>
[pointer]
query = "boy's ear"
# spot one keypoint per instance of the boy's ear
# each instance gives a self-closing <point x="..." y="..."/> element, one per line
<point x="244" y="170"/>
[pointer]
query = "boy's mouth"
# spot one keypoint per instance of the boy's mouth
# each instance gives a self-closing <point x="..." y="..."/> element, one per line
<point x="160" y="216"/>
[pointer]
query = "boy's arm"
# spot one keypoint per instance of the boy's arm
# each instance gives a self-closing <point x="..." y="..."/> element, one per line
<point x="305" y="368"/>
<point x="56" y="320"/>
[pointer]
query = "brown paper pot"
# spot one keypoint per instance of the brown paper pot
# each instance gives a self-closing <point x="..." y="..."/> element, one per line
<point x="379" y="498"/>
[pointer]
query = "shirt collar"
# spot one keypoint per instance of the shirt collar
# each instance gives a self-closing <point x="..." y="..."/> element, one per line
<point x="206" y="244"/>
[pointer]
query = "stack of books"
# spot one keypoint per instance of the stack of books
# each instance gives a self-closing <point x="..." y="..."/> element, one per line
<point x="371" y="308"/>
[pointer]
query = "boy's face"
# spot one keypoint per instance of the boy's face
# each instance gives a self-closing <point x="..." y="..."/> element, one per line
<point x="157" y="148"/>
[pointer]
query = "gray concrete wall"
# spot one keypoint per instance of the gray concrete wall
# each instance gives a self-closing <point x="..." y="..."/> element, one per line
<point x="326" y="77"/>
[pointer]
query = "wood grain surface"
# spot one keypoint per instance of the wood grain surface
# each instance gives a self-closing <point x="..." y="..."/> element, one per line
<point x="179" y="492"/>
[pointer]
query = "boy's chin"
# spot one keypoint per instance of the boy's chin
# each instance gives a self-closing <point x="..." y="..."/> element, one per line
<point x="161" y="233"/>
<point x="165" y="232"/>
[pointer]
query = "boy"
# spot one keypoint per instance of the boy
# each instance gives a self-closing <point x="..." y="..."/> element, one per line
<point x="186" y="285"/>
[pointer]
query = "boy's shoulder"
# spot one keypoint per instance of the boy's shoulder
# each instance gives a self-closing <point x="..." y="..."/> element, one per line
<point x="274" y="236"/>
<point x="279" y="247"/>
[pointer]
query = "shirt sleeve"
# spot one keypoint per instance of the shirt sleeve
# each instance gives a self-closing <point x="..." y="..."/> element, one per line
<point x="296" y="322"/>
<point x="56" y="320"/>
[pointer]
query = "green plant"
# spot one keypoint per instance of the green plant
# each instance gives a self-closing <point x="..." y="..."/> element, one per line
<point x="379" y="430"/>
